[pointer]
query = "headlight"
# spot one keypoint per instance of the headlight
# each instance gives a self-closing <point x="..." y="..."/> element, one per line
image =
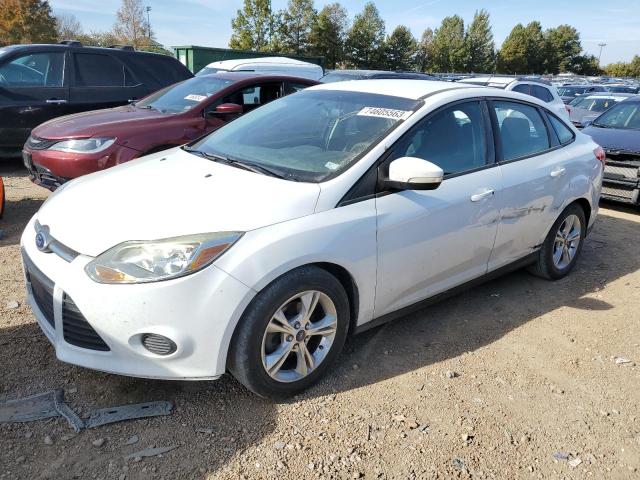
<point x="143" y="262"/>
<point x="84" y="145"/>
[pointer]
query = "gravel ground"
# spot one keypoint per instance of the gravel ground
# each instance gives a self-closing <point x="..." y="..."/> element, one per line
<point x="519" y="378"/>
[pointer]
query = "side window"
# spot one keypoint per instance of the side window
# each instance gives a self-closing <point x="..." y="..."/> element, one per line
<point x="292" y="87"/>
<point x="523" y="88"/>
<point x="565" y="135"/>
<point x="253" y="96"/>
<point x="34" y="70"/>
<point x="454" y="139"/>
<point x="542" y="93"/>
<point x="95" y="70"/>
<point x="521" y="129"/>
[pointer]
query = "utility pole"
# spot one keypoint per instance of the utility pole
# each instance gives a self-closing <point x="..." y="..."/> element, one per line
<point x="148" y="9"/>
<point x="601" y="45"/>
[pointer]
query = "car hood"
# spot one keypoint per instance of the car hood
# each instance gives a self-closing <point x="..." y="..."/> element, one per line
<point x="581" y="114"/>
<point x="615" y="139"/>
<point x="168" y="195"/>
<point x="96" y="122"/>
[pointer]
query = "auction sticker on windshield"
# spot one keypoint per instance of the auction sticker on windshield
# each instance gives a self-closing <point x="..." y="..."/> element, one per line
<point x="385" y="113"/>
<point x="195" y="98"/>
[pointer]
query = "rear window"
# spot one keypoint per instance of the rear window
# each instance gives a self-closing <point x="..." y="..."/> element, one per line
<point x="542" y="93"/>
<point x="571" y="91"/>
<point x="565" y="135"/>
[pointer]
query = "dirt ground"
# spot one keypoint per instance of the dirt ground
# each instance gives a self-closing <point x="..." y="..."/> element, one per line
<point x="519" y="378"/>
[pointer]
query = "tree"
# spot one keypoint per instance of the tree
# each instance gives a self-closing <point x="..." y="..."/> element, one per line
<point x="424" y="52"/>
<point x="512" y="57"/>
<point x="252" y="26"/>
<point x="623" y="69"/>
<point x="295" y="26"/>
<point x="583" y="65"/>
<point x="26" y="21"/>
<point x="328" y="34"/>
<point x="131" y="27"/>
<point x="68" y="27"/>
<point x="563" y="46"/>
<point x="479" y="44"/>
<point x="365" y="39"/>
<point x="536" y="48"/>
<point x="400" y="49"/>
<point x="449" y="49"/>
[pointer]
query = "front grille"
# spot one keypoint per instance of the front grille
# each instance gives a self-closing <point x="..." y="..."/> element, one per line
<point x="42" y="288"/>
<point x="76" y="329"/>
<point x="37" y="143"/>
<point x="620" y="171"/>
<point x="618" y="192"/>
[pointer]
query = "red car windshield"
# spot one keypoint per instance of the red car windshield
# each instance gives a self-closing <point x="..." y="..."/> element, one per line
<point x="184" y="96"/>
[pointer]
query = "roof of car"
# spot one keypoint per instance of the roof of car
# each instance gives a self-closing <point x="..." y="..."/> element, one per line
<point x="412" y="89"/>
<point x="238" y="76"/>
<point x="77" y="45"/>
<point x="501" y="80"/>
<point x="606" y="95"/>
<point x="232" y="63"/>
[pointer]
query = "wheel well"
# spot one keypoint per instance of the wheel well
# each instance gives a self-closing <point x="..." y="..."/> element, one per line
<point x="586" y="208"/>
<point x="349" y="285"/>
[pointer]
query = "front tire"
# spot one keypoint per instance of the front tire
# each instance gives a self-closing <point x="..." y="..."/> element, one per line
<point x="291" y="333"/>
<point x="562" y="247"/>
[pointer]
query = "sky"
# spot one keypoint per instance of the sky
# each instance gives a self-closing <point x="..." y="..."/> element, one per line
<point x="208" y="22"/>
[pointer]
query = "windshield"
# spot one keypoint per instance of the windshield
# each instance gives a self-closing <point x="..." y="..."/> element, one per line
<point x="624" y="115"/>
<point x="594" y="104"/>
<point x="623" y="89"/>
<point x="185" y="95"/>
<point x="571" y="91"/>
<point x="209" y="71"/>
<point x="311" y="135"/>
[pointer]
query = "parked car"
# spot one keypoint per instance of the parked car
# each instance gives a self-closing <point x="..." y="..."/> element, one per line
<point x="41" y="82"/>
<point x="258" y="248"/>
<point x="624" y="88"/>
<point x="618" y="131"/>
<point x="569" y="92"/>
<point x="266" y="66"/>
<point x="72" y="146"/>
<point x="345" y="75"/>
<point x="539" y="89"/>
<point x="585" y="108"/>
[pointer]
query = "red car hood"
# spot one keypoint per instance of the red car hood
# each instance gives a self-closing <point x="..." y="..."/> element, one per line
<point x="109" y="122"/>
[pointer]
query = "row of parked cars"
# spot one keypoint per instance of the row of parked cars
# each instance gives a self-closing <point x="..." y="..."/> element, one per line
<point x="293" y="215"/>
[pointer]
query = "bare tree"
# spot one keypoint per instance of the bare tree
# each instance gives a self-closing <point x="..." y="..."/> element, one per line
<point x="68" y="27"/>
<point x="131" y="26"/>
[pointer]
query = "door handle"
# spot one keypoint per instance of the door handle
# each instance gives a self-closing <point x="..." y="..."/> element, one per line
<point x="558" y="172"/>
<point x="479" y="196"/>
<point x="55" y="101"/>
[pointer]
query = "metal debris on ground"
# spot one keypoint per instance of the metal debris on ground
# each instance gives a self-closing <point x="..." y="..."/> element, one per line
<point x="39" y="407"/>
<point x="150" y="452"/>
<point x="51" y="404"/>
<point x="105" y="416"/>
<point x="561" y="456"/>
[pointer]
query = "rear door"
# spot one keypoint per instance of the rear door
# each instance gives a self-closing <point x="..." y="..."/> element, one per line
<point x="33" y="89"/>
<point x="534" y="173"/>
<point x="100" y="80"/>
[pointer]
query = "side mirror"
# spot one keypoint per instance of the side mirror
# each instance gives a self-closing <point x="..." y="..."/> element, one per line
<point x="227" y="109"/>
<point x="411" y="173"/>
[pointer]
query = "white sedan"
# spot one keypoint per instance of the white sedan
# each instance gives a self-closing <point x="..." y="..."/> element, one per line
<point x="258" y="249"/>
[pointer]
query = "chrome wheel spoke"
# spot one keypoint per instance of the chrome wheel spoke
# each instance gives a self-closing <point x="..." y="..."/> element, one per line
<point x="274" y="361"/>
<point x="567" y="241"/>
<point x="324" y="327"/>
<point x="279" y="324"/>
<point x="309" y="302"/>
<point x="305" y="362"/>
<point x="573" y="236"/>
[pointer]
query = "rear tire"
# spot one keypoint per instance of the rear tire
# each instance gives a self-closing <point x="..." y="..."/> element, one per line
<point x="562" y="247"/>
<point x="290" y="334"/>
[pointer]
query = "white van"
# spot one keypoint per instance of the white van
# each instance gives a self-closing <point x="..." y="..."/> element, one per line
<point x="266" y="66"/>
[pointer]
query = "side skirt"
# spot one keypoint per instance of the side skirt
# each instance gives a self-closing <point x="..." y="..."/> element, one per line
<point x="512" y="267"/>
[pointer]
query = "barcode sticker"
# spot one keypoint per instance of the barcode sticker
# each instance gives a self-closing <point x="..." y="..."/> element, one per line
<point x="385" y="113"/>
<point x="195" y="98"/>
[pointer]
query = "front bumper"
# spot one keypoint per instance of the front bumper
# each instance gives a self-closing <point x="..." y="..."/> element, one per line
<point x="621" y="180"/>
<point x="198" y="312"/>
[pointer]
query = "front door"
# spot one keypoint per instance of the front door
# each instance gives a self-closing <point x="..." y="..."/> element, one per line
<point x="431" y="241"/>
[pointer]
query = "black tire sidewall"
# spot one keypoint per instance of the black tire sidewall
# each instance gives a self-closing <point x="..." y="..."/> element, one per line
<point x="245" y="359"/>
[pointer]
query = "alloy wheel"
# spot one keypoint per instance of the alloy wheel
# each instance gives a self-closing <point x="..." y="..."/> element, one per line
<point x="567" y="241"/>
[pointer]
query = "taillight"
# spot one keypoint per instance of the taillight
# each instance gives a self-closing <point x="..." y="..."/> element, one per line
<point x="568" y="109"/>
<point x="600" y="155"/>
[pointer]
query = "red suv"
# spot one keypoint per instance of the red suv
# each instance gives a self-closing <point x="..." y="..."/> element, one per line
<point x="72" y="146"/>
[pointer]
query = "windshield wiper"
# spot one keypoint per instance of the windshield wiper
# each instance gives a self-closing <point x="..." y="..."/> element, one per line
<point x="251" y="167"/>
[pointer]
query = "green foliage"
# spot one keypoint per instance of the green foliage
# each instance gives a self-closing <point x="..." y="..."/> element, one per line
<point x="583" y="65"/>
<point x="624" y="69"/>
<point x="424" y="52"/>
<point x="512" y="57"/>
<point x="26" y="21"/>
<point x="449" y="49"/>
<point x="328" y="34"/>
<point x="294" y="26"/>
<point x="365" y="39"/>
<point x="400" y="49"/>
<point x="252" y="26"/>
<point x="563" y="49"/>
<point x="479" y="45"/>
